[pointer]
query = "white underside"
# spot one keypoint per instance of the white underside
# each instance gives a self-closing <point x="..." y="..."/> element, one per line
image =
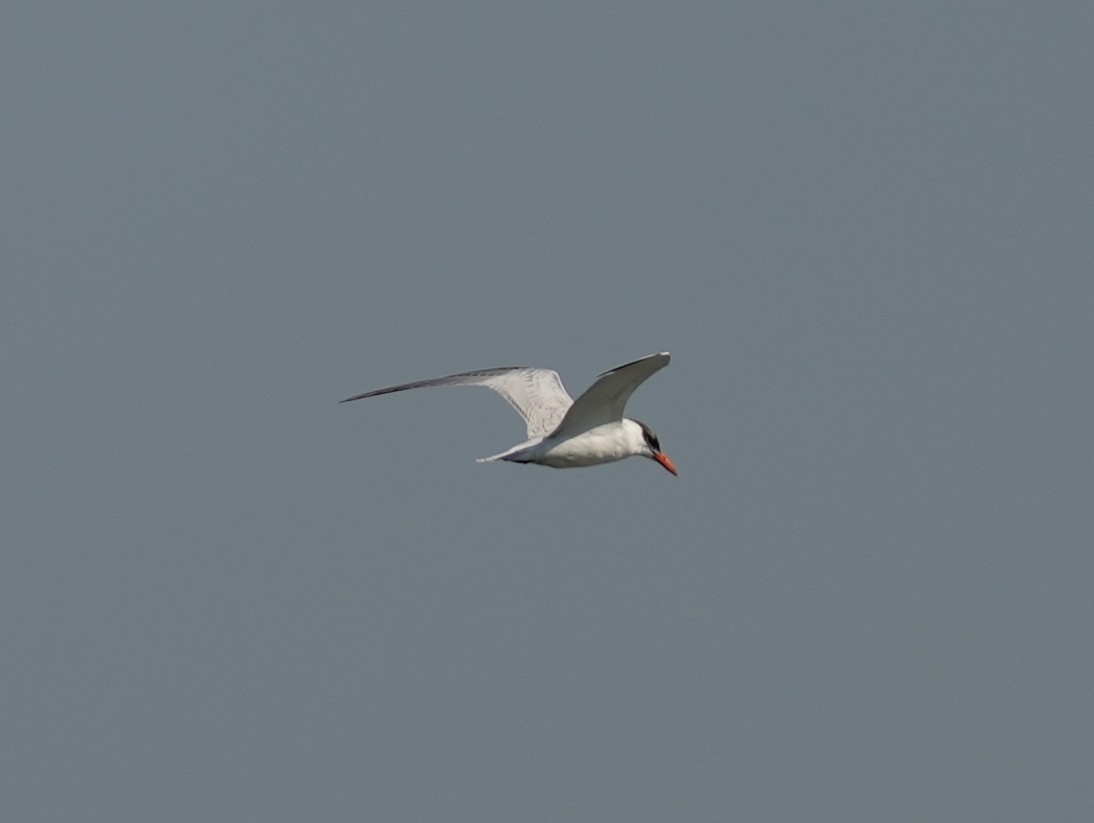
<point x="602" y="444"/>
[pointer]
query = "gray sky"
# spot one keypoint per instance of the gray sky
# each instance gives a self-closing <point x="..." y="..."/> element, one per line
<point x="864" y="232"/>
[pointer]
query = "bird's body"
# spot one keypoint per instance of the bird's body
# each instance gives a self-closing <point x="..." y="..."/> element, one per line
<point x="602" y="444"/>
<point x="564" y="433"/>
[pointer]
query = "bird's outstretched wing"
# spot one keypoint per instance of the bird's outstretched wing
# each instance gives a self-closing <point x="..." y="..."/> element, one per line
<point x="604" y="401"/>
<point x="537" y="394"/>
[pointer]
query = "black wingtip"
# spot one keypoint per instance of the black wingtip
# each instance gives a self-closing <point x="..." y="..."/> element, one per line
<point x="664" y="354"/>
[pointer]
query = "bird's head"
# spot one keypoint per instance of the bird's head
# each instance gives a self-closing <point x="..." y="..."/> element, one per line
<point x="651" y="448"/>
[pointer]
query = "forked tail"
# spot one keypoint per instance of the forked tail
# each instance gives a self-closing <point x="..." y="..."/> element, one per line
<point x="517" y="454"/>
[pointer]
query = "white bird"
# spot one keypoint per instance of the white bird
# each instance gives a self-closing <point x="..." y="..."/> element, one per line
<point x="563" y="432"/>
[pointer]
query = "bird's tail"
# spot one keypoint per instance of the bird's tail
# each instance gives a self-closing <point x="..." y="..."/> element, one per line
<point x="514" y="455"/>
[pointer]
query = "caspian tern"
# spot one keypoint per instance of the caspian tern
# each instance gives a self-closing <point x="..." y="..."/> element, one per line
<point x="563" y="432"/>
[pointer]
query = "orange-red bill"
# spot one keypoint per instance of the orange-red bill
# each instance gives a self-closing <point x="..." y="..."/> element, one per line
<point x="663" y="459"/>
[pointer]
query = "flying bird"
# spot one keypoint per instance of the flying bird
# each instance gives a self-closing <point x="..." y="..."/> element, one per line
<point x="562" y="432"/>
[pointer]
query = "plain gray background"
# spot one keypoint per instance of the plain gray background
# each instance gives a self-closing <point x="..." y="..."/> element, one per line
<point x="864" y="231"/>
